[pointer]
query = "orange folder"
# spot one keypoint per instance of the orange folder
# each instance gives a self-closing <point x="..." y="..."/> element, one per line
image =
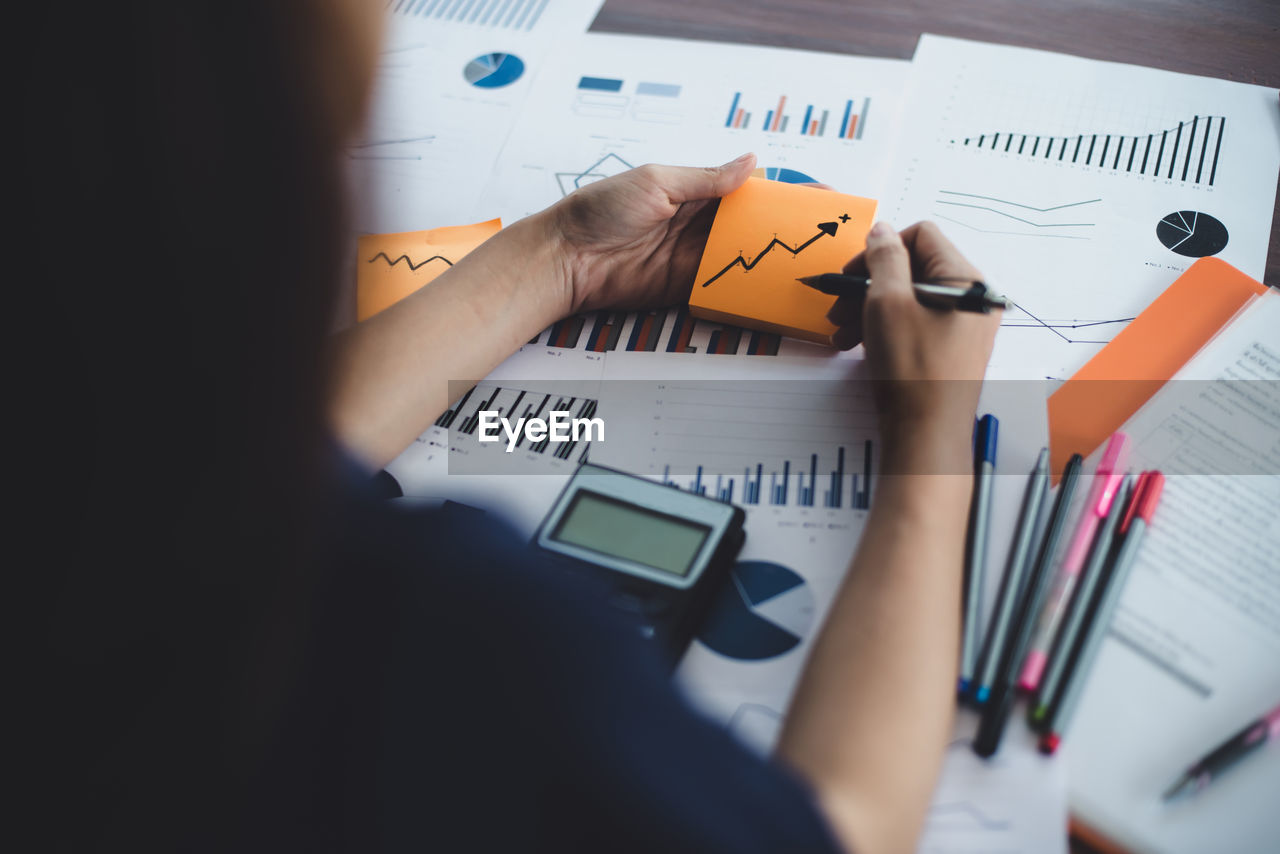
<point x="1124" y="375"/>
<point x="389" y="267"/>
<point x="766" y="234"/>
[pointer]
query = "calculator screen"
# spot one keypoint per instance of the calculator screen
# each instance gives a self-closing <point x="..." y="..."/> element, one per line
<point x="628" y="532"/>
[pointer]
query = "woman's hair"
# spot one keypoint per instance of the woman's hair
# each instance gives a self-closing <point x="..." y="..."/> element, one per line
<point x="181" y="238"/>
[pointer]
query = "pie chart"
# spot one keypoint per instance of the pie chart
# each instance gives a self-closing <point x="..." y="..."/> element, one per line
<point x="494" y="70"/>
<point x="788" y="176"/>
<point x="1192" y="234"/>
<point x="763" y="611"/>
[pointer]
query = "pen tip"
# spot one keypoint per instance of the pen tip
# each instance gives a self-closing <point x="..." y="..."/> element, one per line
<point x="807" y="280"/>
<point x="1176" y="789"/>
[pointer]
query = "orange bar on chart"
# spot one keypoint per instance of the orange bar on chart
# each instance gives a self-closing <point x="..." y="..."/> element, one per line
<point x="853" y="123"/>
<point x="1124" y="375"/>
<point x="389" y="267"/>
<point x="777" y="117"/>
<point x="766" y="234"/>
<point x="737" y="120"/>
<point x="813" y="127"/>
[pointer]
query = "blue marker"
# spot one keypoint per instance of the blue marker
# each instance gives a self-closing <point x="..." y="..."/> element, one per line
<point x="984" y="464"/>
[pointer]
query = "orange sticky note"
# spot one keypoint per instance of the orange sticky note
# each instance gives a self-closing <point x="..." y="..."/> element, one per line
<point x="767" y="234"/>
<point x="389" y="267"/>
<point x="1124" y="375"/>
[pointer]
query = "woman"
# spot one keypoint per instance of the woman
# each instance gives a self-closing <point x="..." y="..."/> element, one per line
<point x="238" y="647"/>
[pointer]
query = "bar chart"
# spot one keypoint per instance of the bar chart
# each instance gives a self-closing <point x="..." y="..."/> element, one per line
<point x="847" y="121"/>
<point x="1188" y="152"/>
<point x="788" y="487"/>
<point x="522" y="15"/>
<point x="670" y="330"/>
<point x="468" y="455"/>
<point x="758" y="443"/>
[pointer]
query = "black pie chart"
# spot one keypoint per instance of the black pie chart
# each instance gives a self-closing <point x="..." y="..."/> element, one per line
<point x="763" y="611"/>
<point x="1193" y="234"/>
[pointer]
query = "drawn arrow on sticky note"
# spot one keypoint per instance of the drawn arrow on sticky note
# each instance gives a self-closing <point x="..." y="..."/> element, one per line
<point x="827" y="228"/>
<point x="736" y="288"/>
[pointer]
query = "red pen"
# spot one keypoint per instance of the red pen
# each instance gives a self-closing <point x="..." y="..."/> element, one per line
<point x="1137" y="518"/>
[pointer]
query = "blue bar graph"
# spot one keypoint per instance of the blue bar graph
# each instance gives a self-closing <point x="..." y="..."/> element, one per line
<point x="781" y="493"/>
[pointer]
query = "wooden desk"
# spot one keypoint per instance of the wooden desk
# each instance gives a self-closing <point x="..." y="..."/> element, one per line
<point x="1231" y="39"/>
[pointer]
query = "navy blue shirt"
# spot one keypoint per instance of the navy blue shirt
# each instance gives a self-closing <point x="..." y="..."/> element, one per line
<point x="457" y="695"/>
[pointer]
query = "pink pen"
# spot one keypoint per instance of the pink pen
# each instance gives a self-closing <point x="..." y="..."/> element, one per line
<point x="1106" y="481"/>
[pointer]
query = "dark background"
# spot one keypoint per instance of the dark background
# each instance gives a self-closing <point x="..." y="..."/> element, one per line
<point x="1231" y="39"/>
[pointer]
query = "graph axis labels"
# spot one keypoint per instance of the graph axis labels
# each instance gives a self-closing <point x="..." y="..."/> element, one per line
<point x="1192" y="234"/>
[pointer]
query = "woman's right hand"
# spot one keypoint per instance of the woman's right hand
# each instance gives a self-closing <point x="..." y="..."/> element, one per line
<point x="928" y="363"/>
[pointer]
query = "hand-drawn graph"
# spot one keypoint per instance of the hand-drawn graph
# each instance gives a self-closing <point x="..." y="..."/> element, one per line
<point x="409" y="262"/>
<point x="1188" y="153"/>
<point x="993" y="215"/>
<point x="827" y="229"/>
<point x="1193" y="234"/>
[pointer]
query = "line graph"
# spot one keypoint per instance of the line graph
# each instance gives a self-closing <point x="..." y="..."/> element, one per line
<point x="607" y="166"/>
<point x="409" y="261"/>
<point x="971" y="211"/>
<point x="963" y="815"/>
<point x="1055" y="326"/>
<point x="827" y="229"/>
<point x="1188" y="153"/>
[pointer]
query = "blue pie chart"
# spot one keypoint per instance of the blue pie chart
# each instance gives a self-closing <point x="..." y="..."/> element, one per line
<point x="494" y="70"/>
<point x="788" y="176"/>
<point x="763" y="610"/>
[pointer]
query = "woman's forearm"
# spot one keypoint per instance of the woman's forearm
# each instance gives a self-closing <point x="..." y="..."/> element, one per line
<point x="872" y="715"/>
<point x="392" y="372"/>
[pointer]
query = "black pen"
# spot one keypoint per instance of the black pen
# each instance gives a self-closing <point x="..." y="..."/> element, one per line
<point x="996" y="711"/>
<point x="1137" y="518"/>
<point x="1020" y="558"/>
<point x="1231" y="751"/>
<point x="986" y="434"/>
<point x="965" y="295"/>
<point x="1057" y="670"/>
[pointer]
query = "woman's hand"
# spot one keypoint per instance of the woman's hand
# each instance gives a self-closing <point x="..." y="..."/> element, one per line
<point x="928" y="363"/>
<point x="635" y="239"/>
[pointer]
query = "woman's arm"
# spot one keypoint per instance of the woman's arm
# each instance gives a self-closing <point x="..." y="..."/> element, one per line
<point x="872" y="715"/>
<point x="627" y="241"/>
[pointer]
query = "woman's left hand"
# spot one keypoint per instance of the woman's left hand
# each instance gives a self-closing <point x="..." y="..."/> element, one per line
<point x="636" y="239"/>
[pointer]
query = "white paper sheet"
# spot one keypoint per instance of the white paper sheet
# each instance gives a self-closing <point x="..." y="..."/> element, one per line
<point x="451" y="81"/>
<point x="1194" y="652"/>
<point x="1077" y="240"/>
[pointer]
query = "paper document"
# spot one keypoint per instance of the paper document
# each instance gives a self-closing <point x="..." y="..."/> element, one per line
<point x="1194" y="652"/>
<point x="450" y="81"/>
<point x="1081" y="188"/>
